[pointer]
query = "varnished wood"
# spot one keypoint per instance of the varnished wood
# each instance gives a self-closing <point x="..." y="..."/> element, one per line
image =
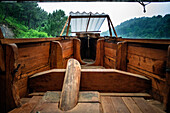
<point x="28" y="40"/>
<point x="70" y="90"/>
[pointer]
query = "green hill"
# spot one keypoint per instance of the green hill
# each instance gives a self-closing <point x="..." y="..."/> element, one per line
<point x="144" y="27"/>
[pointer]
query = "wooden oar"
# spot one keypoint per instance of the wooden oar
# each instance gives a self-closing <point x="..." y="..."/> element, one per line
<point x="70" y="90"/>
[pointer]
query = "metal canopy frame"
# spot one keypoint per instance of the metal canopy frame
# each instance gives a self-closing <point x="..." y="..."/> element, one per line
<point x="110" y="24"/>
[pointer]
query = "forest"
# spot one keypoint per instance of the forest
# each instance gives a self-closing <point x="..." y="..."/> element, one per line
<point x="145" y="27"/>
<point x="27" y="20"/>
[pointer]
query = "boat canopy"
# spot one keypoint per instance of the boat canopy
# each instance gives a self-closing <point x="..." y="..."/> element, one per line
<point x="86" y="22"/>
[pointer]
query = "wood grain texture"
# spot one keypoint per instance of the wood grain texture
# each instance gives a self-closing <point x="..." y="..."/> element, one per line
<point x="70" y="90"/>
<point x="102" y="80"/>
<point x="12" y="93"/>
<point x="107" y="105"/>
<point x="27" y="107"/>
<point x="76" y="46"/>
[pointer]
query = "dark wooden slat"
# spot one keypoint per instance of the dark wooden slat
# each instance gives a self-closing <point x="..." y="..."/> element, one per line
<point x="119" y="105"/>
<point x="143" y="105"/>
<point x="133" y="108"/>
<point x="107" y="105"/>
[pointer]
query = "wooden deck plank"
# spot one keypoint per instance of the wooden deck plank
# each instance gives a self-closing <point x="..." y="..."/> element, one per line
<point x="131" y="105"/>
<point x="27" y="107"/>
<point x="107" y="105"/>
<point x="143" y="105"/>
<point x="119" y="105"/>
<point x="126" y="94"/>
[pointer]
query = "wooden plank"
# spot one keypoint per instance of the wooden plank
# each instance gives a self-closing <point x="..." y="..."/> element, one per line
<point x="2" y="61"/>
<point x="70" y="90"/>
<point x="28" y="40"/>
<point x="107" y="105"/>
<point x="66" y="44"/>
<point x="136" y="70"/>
<point x="110" y="52"/>
<point x="121" y="54"/>
<point x="67" y="52"/>
<point x="106" y="80"/>
<point x="148" y="52"/>
<point x="119" y="105"/>
<point x="110" y="45"/>
<point x="27" y="107"/>
<point x="126" y="94"/>
<point x="147" y="64"/>
<point x="131" y="105"/>
<point x="143" y="105"/>
<point x="56" y="58"/>
<point x="111" y="63"/>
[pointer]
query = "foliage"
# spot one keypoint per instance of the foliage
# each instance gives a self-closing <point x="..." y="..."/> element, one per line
<point x="30" y="21"/>
<point x="144" y="27"/>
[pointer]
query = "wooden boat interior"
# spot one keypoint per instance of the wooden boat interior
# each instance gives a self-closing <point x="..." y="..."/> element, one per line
<point x="123" y="70"/>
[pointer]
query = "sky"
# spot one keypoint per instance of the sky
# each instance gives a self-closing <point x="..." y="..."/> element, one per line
<point x="118" y="11"/>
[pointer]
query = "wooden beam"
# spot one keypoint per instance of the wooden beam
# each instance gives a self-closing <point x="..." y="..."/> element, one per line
<point x="88" y="23"/>
<point x="110" y="31"/>
<point x="64" y="27"/>
<point x="69" y="21"/>
<point x="2" y="59"/>
<point x="113" y="27"/>
<point x="70" y="90"/>
<point x="28" y="40"/>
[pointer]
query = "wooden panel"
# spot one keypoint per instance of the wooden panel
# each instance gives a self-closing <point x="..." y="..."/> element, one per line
<point x="148" y="64"/>
<point x="143" y="105"/>
<point x="32" y="56"/>
<point x="68" y="52"/>
<point x="110" y="52"/>
<point x="109" y="62"/>
<point x="56" y="58"/>
<point x="66" y="44"/>
<point x="121" y="54"/>
<point x="22" y="86"/>
<point x="119" y="105"/>
<point x="148" y="52"/>
<point x="110" y="45"/>
<point x="107" y="105"/>
<point x="105" y="81"/>
<point x="133" y="108"/>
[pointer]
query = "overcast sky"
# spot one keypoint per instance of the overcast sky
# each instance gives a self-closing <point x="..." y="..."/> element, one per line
<point x="118" y="11"/>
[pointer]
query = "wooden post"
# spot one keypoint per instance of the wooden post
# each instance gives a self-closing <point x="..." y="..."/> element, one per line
<point x="64" y="27"/>
<point x="110" y="31"/>
<point x="69" y="20"/>
<point x="1" y="34"/>
<point x="70" y="90"/>
<point x="113" y="28"/>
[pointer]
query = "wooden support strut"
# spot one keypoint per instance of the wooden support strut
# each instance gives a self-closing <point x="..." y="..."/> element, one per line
<point x="70" y="90"/>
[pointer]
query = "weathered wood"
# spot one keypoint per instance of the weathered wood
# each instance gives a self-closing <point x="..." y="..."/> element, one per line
<point x="77" y="55"/>
<point x="28" y="40"/>
<point x="12" y="93"/>
<point x="110" y="52"/>
<point x="126" y="94"/>
<point x="56" y="60"/>
<point x="2" y="59"/>
<point x="27" y="107"/>
<point x="121" y="54"/>
<point x="133" y="108"/>
<point x="110" y="62"/>
<point x="103" y="80"/>
<point x="70" y="90"/>
<point x="119" y="105"/>
<point x="107" y="105"/>
<point x="99" y="53"/>
<point x="143" y="105"/>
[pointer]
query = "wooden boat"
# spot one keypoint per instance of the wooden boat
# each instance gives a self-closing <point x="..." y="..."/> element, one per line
<point x="36" y="75"/>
